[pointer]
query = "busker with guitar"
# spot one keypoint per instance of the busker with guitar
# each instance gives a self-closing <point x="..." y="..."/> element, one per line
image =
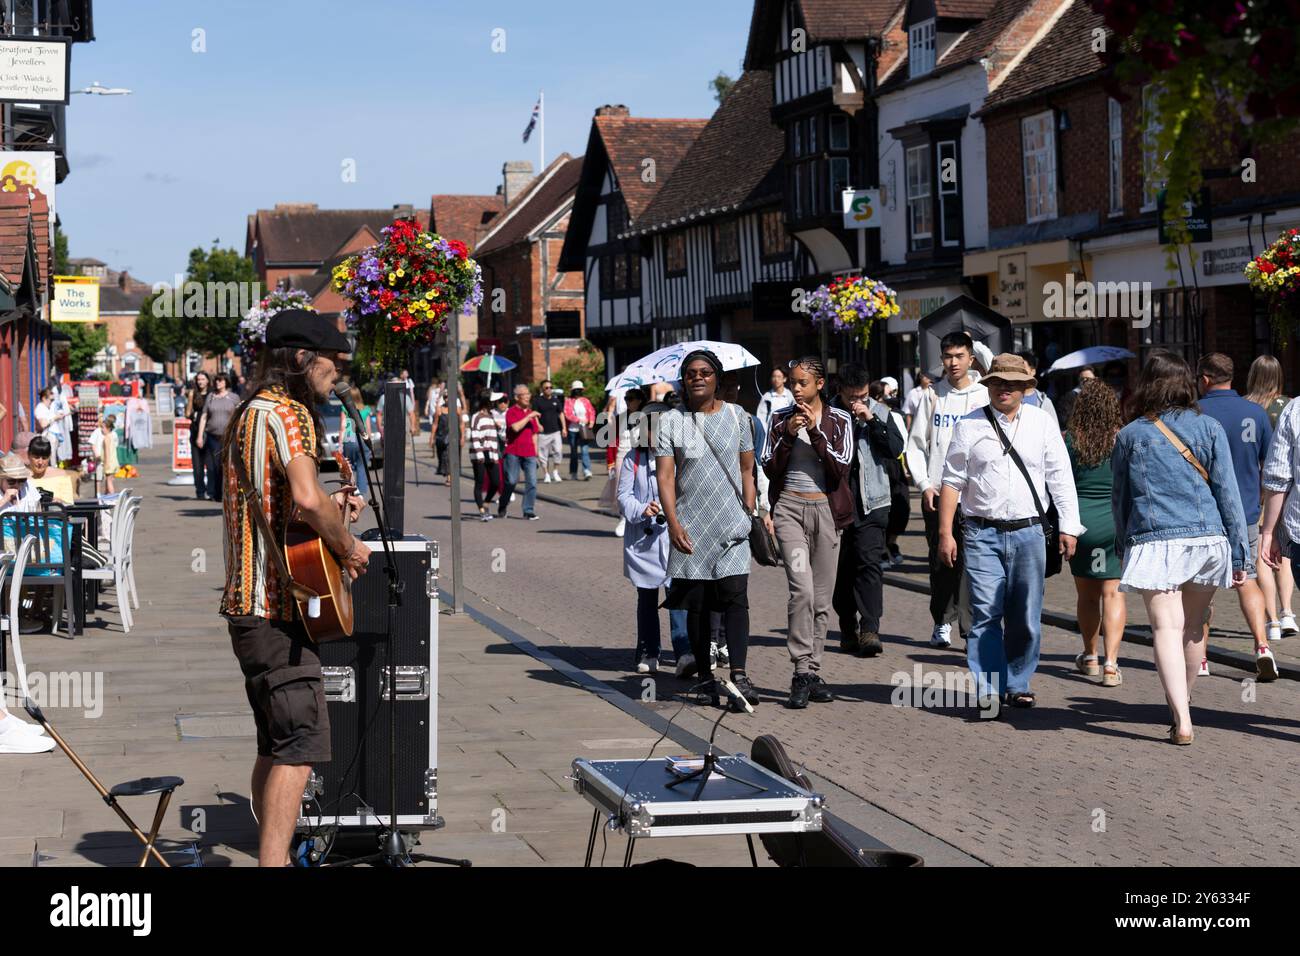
<point x="270" y="455"/>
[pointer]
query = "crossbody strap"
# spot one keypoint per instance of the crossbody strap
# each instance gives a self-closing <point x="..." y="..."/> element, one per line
<point x="718" y="458"/>
<point x="1182" y="449"/>
<point x="1010" y="449"/>
<point x="253" y="502"/>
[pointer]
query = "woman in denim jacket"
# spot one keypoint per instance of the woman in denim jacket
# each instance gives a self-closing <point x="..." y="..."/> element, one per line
<point x="1180" y="536"/>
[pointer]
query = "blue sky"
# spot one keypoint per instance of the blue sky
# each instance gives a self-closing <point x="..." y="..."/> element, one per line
<point x="409" y="89"/>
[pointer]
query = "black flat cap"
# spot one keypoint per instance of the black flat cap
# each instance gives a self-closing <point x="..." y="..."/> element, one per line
<point x="300" y="329"/>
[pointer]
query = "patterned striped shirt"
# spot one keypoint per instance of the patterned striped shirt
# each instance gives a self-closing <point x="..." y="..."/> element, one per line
<point x="484" y="438"/>
<point x="272" y="432"/>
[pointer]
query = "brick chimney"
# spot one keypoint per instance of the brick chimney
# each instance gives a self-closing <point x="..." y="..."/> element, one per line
<point x="515" y="178"/>
<point x="294" y="206"/>
<point x="403" y="210"/>
<point x="613" y="110"/>
<point x="124" y="281"/>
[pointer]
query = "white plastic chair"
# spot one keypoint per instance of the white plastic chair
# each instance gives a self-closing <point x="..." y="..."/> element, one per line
<point x="116" y="571"/>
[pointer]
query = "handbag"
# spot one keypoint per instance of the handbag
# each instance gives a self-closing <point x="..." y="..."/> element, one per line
<point x="762" y="543"/>
<point x="1049" y="518"/>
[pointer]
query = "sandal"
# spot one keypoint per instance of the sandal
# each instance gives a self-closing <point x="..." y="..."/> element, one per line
<point x="1110" y="675"/>
<point x="1021" y="699"/>
<point x="1180" y="740"/>
<point x="1087" y="664"/>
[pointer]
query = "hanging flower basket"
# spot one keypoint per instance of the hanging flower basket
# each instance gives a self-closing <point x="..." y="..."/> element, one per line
<point x="1275" y="273"/>
<point x="252" y="328"/>
<point x="852" y="304"/>
<point x="404" y="288"/>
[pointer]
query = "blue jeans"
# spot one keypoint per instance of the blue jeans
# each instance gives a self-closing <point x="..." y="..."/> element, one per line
<point x="578" y="444"/>
<point x="1006" y="572"/>
<point x="352" y="452"/>
<point x="647" y="626"/>
<point x="513" y="463"/>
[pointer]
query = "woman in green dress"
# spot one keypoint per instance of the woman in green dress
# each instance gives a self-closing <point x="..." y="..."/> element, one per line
<point x="1095" y="422"/>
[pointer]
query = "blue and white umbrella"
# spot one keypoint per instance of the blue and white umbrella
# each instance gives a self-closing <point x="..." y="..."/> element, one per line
<point x="665" y="365"/>
<point x="1092" y="355"/>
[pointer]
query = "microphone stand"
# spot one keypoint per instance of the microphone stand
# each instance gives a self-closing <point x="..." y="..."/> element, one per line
<point x="393" y="850"/>
<point x="711" y="762"/>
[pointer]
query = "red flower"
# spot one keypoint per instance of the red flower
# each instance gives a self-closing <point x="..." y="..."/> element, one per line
<point x="458" y="248"/>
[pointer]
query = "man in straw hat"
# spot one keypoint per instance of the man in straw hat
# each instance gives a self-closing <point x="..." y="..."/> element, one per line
<point x="17" y="493"/>
<point x="1004" y="535"/>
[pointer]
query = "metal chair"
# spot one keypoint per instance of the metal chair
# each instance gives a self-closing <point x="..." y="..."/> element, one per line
<point x="120" y="568"/>
<point x="49" y="561"/>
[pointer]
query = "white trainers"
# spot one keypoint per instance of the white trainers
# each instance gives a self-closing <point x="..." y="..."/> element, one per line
<point x="1289" y="627"/>
<point x="643" y="667"/>
<point x="1205" y="668"/>
<point x="652" y="664"/>
<point x="12" y="723"/>
<point x="620" y="527"/>
<point x="22" y="742"/>
<point x="941" y="636"/>
<point x="546" y="478"/>
<point x="555" y="476"/>
<point x="1274" y="631"/>
<point x="1265" y="664"/>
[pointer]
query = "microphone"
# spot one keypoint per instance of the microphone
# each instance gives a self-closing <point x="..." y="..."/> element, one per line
<point x="343" y="393"/>
<point x="734" y="693"/>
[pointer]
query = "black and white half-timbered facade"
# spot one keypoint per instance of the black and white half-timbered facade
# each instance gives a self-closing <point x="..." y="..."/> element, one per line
<point x="628" y="160"/>
<point x="720" y="263"/>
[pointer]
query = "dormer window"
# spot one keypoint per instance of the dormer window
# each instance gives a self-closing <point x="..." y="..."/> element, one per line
<point x="920" y="48"/>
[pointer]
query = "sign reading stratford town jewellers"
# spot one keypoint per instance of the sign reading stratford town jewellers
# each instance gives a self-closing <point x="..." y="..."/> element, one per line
<point x="34" y="70"/>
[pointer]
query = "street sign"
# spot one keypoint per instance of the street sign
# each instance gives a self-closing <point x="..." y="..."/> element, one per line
<point x="35" y="70"/>
<point x="76" y="299"/>
<point x="1196" y="217"/>
<point x="862" y="209"/>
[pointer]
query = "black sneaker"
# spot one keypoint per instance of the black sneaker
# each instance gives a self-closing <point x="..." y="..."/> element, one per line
<point x="819" y="692"/>
<point x="800" y="690"/>
<point x="869" y="644"/>
<point x="746" y="688"/>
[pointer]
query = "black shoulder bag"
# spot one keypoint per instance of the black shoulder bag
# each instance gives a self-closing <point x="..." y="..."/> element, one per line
<point x="1050" y="519"/>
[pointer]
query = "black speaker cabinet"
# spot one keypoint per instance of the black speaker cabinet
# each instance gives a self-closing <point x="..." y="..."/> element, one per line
<point x="353" y="789"/>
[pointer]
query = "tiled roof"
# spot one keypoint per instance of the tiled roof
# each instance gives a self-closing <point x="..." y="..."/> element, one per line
<point x="1063" y="56"/>
<point x="113" y="298"/>
<point x="631" y="140"/>
<point x="974" y="44"/>
<point x="825" y="20"/>
<point x="463" y="217"/>
<point x="303" y="234"/>
<point x="963" y="9"/>
<point x="544" y="195"/>
<point x="735" y="160"/>
<point x="313" y="283"/>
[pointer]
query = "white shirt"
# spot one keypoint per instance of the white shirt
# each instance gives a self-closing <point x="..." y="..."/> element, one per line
<point x="914" y="398"/>
<point x="29" y="500"/>
<point x="45" y="421"/>
<point x="772" y="402"/>
<point x="990" y="484"/>
<point x="1283" y="465"/>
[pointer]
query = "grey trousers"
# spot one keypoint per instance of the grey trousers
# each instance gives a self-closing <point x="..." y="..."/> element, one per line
<point x="810" y="548"/>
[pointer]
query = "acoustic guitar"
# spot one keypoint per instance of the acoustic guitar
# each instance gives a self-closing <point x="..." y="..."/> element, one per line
<point x="314" y="570"/>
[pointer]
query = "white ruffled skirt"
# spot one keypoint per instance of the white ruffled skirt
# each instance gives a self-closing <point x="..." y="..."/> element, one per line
<point x="1174" y="563"/>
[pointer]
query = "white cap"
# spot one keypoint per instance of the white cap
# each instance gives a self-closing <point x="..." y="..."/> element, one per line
<point x="890" y="382"/>
<point x="576" y="383"/>
<point x="497" y="396"/>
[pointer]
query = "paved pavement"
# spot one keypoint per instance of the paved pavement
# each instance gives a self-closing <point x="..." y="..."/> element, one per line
<point x="510" y="726"/>
<point x="1230" y="640"/>
<point x="1085" y="778"/>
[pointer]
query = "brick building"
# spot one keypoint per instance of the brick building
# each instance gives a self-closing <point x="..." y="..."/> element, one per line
<point x="1072" y="199"/>
<point x="26" y="264"/>
<point x="531" y="308"/>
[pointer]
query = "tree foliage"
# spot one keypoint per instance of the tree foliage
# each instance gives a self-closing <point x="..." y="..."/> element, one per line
<point x="88" y="340"/>
<point x="166" y="328"/>
<point x="589" y="368"/>
<point x="722" y="85"/>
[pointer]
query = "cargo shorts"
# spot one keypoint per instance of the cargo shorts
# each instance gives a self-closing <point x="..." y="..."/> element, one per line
<point x="282" y="678"/>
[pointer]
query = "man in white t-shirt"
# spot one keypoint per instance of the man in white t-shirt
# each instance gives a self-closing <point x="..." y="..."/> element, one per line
<point x="924" y="391"/>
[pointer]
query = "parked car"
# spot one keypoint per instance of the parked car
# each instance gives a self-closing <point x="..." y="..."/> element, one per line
<point x="330" y="412"/>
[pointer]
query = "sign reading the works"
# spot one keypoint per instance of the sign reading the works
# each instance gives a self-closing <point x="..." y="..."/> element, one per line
<point x="1011" y="296"/>
<point x="76" y="299"/>
<point x="34" y="70"/>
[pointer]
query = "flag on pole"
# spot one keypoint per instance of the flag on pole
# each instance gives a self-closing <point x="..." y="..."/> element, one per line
<point x="532" y="123"/>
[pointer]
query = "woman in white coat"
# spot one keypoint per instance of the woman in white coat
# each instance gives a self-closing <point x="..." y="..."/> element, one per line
<point x="645" y="550"/>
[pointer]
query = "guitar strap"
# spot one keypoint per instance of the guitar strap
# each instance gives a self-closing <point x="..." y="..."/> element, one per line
<point x="252" y="501"/>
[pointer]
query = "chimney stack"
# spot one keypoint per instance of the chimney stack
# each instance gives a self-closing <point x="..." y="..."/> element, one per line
<point x="613" y="110"/>
<point x="515" y="178"/>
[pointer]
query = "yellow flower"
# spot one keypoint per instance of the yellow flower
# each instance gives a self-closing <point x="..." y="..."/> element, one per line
<point x="392" y="277"/>
<point x="429" y="294"/>
<point x="400" y="272"/>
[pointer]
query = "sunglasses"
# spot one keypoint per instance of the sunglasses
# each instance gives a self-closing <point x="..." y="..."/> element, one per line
<point x="693" y="373"/>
